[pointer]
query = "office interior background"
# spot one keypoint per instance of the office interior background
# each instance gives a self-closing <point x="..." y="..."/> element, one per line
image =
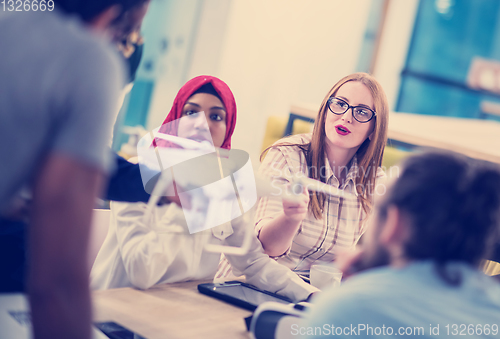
<point x="429" y="56"/>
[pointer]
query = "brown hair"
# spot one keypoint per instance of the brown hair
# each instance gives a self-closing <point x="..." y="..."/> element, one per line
<point x="369" y="154"/>
<point x="453" y="205"/>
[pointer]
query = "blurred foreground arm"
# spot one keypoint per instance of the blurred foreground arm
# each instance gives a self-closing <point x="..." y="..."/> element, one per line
<point x="64" y="196"/>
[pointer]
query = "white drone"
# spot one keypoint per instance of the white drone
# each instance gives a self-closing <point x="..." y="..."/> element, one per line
<point x="259" y="185"/>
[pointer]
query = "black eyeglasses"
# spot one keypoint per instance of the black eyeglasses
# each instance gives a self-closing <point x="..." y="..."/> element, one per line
<point x="360" y="113"/>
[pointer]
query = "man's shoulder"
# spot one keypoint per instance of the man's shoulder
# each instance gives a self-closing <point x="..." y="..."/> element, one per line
<point x="370" y="285"/>
<point x="76" y="40"/>
<point x="412" y="296"/>
<point x="376" y="293"/>
<point x="388" y="286"/>
<point x="375" y="286"/>
<point x="53" y="36"/>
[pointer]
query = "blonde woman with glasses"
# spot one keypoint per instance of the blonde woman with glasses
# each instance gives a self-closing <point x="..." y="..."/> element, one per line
<point x="345" y="151"/>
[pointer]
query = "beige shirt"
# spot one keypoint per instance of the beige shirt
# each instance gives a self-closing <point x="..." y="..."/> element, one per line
<point x="141" y="255"/>
<point x="317" y="240"/>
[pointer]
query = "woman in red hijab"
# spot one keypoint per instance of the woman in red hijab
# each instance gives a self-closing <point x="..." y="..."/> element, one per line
<point x="202" y="94"/>
<point x="141" y="255"/>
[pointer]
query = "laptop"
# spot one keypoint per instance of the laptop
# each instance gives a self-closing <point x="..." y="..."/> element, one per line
<point x="15" y="318"/>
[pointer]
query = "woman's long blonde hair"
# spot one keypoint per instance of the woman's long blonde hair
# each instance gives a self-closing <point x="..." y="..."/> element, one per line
<point x="369" y="154"/>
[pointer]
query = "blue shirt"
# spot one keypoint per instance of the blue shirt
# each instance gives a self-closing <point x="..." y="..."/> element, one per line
<point x="411" y="301"/>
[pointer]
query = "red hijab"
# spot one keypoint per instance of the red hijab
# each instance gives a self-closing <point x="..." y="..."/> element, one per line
<point x="187" y="91"/>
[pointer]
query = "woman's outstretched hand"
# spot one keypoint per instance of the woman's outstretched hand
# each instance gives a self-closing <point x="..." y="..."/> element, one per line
<point x="295" y="205"/>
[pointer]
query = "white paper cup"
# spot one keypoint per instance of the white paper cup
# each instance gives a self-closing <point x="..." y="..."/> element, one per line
<point x="325" y="276"/>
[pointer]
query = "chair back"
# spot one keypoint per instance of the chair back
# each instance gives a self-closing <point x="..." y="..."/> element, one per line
<point x="98" y="231"/>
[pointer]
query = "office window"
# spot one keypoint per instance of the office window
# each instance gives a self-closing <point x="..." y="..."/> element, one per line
<point x="447" y="36"/>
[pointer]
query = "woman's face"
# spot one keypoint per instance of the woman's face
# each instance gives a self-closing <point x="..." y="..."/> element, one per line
<point x="343" y="131"/>
<point x="194" y="128"/>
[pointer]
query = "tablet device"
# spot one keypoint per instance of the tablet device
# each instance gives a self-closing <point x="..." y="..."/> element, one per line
<point x="116" y="331"/>
<point x="241" y="294"/>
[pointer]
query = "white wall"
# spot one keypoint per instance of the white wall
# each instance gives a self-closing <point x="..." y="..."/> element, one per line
<point x="273" y="53"/>
<point x="170" y="28"/>
<point x="394" y="46"/>
<point x="278" y="52"/>
<point x="209" y="37"/>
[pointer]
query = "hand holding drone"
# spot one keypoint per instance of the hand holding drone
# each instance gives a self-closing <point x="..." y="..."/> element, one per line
<point x="221" y="186"/>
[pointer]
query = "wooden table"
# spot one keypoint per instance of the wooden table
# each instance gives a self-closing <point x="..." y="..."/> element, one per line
<point x="171" y="311"/>
<point x="475" y="138"/>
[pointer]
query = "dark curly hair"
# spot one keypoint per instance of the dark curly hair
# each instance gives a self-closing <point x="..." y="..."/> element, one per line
<point x="89" y="9"/>
<point x="454" y="206"/>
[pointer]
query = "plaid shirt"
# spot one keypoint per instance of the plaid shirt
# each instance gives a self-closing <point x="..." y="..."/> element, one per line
<point x="316" y="240"/>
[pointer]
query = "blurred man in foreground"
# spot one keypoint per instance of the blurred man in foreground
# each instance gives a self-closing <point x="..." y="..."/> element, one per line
<point x="420" y="260"/>
<point x="59" y="84"/>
